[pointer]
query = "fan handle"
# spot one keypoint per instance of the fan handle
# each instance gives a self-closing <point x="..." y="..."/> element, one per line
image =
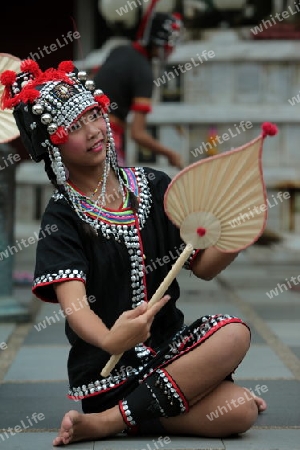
<point x="158" y="294"/>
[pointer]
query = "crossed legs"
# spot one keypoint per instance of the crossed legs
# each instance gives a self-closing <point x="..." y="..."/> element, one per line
<point x="207" y="366"/>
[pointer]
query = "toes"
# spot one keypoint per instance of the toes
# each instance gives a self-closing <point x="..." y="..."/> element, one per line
<point x="57" y="441"/>
<point x="261" y="404"/>
<point x="65" y="432"/>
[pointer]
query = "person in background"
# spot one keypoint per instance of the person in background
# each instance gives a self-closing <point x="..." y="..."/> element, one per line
<point x="126" y="77"/>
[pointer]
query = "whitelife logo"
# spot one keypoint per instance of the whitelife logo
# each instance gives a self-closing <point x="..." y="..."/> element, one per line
<point x="279" y="17"/>
<point x="183" y="68"/>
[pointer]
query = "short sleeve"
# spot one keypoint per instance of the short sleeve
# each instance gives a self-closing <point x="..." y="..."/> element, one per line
<point x="142" y="87"/>
<point x="60" y="254"/>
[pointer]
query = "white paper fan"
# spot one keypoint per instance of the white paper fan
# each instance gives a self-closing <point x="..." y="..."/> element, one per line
<point x="219" y="201"/>
<point x="8" y="127"/>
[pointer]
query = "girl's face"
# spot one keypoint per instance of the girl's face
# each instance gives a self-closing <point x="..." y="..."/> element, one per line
<point x="86" y="145"/>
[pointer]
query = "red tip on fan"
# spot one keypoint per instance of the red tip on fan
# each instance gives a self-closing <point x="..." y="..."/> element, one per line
<point x="269" y="129"/>
<point x="201" y="231"/>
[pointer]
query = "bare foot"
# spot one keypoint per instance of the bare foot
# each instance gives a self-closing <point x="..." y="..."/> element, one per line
<point x="260" y="402"/>
<point x="86" y="427"/>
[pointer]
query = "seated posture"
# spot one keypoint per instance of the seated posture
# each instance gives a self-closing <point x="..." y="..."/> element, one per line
<point x="101" y="233"/>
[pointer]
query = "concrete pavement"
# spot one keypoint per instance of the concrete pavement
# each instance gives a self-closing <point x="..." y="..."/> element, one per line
<point x="260" y="286"/>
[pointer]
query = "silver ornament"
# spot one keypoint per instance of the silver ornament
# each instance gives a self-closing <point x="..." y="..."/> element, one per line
<point x="90" y="85"/>
<point x="52" y="128"/>
<point x="37" y="109"/>
<point x="82" y="75"/>
<point x="46" y="118"/>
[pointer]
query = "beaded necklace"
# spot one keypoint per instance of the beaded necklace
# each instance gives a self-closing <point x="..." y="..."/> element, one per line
<point x="97" y="187"/>
<point x="123" y="225"/>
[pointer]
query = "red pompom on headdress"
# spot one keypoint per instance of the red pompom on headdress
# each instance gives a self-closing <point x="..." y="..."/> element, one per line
<point x="66" y="66"/>
<point x="31" y="66"/>
<point x="60" y="136"/>
<point x="103" y="102"/>
<point x="8" y="77"/>
<point x="28" y="95"/>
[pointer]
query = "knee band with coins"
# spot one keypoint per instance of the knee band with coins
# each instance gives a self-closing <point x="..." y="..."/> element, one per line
<point x="158" y="396"/>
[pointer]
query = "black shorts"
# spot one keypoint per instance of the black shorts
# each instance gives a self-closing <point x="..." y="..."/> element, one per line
<point x="185" y="340"/>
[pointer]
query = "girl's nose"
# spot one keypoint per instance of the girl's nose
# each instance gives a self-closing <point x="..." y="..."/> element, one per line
<point x="94" y="131"/>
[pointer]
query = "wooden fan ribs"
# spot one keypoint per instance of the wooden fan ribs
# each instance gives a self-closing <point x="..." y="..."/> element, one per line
<point x="230" y="188"/>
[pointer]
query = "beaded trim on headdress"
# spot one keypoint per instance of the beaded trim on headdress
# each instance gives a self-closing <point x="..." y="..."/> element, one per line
<point x="59" y="96"/>
<point x="46" y="104"/>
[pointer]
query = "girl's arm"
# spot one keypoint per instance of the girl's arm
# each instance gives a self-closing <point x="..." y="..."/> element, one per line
<point x="211" y="262"/>
<point x="85" y="323"/>
<point x="131" y="328"/>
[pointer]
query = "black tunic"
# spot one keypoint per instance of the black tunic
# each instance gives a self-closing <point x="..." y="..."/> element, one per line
<point x="104" y="266"/>
<point x="122" y="258"/>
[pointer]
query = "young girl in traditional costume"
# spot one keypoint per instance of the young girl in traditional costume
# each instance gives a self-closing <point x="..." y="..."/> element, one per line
<point x="110" y="224"/>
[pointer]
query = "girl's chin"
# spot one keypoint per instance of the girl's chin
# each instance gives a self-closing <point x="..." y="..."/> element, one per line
<point x="98" y="149"/>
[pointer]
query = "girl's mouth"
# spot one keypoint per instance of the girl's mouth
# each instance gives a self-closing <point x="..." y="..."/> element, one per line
<point x="98" y="147"/>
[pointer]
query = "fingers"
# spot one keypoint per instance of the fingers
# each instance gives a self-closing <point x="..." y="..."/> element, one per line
<point x="147" y="313"/>
<point x="151" y="312"/>
<point x="138" y="310"/>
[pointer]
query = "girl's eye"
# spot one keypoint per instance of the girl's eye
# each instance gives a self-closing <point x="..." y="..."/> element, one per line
<point x="75" y="126"/>
<point x="96" y="115"/>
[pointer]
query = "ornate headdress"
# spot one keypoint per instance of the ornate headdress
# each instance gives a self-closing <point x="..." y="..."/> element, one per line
<point x="46" y="104"/>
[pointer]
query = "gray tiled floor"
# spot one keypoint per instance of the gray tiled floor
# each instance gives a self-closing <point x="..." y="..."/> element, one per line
<point x="287" y="331"/>
<point x="38" y="441"/>
<point x="51" y="335"/>
<point x="258" y="296"/>
<point x="265" y="440"/>
<point x="171" y="443"/>
<point x="36" y="379"/>
<point x="39" y="363"/>
<point x="286" y="312"/>
<point x="27" y="398"/>
<point x="254" y="364"/>
<point x="282" y="397"/>
<point x="5" y="332"/>
<point x="296" y="350"/>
